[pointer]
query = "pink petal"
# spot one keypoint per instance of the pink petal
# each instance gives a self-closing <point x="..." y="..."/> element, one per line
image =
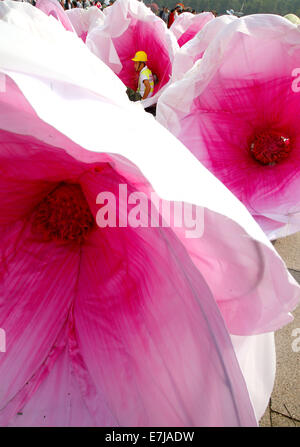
<point x="196" y="24"/>
<point x="83" y="20"/>
<point x="38" y="283"/>
<point x="181" y="23"/>
<point x="42" y="282"/>
<point x="134" y="325"/>
<point x="69" y="408"/>
<point x="54" y="9"/>
<point x="194" y="49"/>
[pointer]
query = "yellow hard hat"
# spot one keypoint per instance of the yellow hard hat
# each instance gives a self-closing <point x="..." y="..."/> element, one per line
<point x="140" y="56"/>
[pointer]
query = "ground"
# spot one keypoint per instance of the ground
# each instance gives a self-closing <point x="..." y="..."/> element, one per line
<point x="284" y="405"/>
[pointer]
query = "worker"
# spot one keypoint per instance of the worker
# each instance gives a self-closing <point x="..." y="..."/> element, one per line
<point x="146" y="81"/>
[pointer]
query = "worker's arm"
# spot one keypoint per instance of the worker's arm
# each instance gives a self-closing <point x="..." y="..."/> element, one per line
<point x="147" y="88"/>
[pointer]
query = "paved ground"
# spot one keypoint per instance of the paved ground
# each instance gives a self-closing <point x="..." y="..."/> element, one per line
<point x="284" y="405"/>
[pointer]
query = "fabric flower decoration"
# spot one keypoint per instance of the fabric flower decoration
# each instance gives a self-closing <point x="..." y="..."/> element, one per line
<point x="53" y="8"/>
<point x="118" y="326"/>
<point x="130" y="27"/>
<point x="187" y="25"/>
<point x="84" y="20"/>
<point x="194" y="49"/>
<point x="238" y="113"/>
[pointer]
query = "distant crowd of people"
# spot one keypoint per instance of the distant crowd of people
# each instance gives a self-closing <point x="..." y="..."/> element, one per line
<point x="169" y="16"/>
<point x="70" y="4"/>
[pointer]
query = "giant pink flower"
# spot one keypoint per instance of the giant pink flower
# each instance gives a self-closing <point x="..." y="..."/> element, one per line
<point x="118" y="326"/>
<point x="130" y="27"/>
<point x="84" y="20"/>
<point x="187" y="25"/>
<point x="77" y="20"/>
<point x="194" y="49"/>
<point x="238" y="112"/>
<point x="53" y="9"/>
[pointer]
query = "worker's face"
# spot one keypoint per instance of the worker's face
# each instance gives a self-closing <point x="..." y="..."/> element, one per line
<point x="137" y="66"/>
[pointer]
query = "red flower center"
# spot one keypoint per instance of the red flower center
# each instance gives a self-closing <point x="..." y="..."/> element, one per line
<point x="270" y="147"/>
<point x="63" y="215"/>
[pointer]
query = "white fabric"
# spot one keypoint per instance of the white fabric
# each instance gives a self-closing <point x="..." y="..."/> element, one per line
<point x="257" y="358"/>
<point x="185" y="58"/>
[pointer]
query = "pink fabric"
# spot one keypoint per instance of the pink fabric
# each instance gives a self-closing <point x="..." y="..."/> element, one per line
<point x="83" y="20"/>
<point x="187" y="25"/>
<point x="194" y="49"/>
<point x="181" y="23"/>
<point x="100" y="333"/>
<point x="130" y="27"/>
<point x="141" y="35"/>
<point x="239" y="92"/>
<point x="53" y="8"/>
